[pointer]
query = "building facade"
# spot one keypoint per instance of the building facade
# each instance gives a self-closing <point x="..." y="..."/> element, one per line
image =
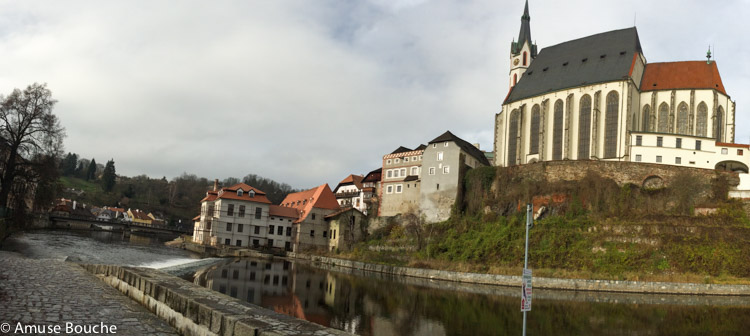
<point x="597" y="98"/>
<point x="400" y="181"/>
<point x="349" y="193"/>
<point x="310" y="230"/>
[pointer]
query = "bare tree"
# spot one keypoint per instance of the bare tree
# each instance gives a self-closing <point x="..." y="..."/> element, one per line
<point x="28" y="129"/>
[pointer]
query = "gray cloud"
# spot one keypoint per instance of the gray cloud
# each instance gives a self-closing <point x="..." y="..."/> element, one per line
<point x="307" y="92"/>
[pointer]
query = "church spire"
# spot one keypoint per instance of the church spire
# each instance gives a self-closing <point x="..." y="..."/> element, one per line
<point x="524" y="35"/>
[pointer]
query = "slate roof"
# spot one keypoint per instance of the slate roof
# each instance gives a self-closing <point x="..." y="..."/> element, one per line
<point x="401" y="149"/>
<point x="682" y="75"/>
<point x="465" y="146"/>
<point x="590" y="60"/>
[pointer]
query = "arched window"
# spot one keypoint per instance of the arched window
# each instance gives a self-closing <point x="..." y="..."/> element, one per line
<point x="513" y="137"/>
<point x="584" y="128"/>
<point x="646" y="121"/>
<point x="610" y="125"/>
<point x="683" y="123"/>
<point x="535" y="119"/>
<point x="515" y="79"/>
<point x="719" y="126"/>
<point x="524" y="58"/>
<point x="663" y="118"/>
<point x="701" y="125"/>
<point x="557" y="131"/>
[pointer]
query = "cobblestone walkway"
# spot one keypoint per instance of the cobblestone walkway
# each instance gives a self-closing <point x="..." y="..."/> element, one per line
<point x="50" y="292"/>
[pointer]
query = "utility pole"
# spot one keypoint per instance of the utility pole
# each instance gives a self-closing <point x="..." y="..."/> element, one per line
<point x="526" y="279"/>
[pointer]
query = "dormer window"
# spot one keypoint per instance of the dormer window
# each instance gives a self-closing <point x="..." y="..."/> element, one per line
<point x="251" y="193"/>
<point x="239" y="192"/>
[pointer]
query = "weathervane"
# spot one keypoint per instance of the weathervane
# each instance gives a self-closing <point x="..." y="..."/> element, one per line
<point x="708" y="55"/>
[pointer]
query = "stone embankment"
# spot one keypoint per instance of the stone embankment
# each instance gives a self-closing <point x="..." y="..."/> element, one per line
<point x="539" y="282"/>
<point x="194" y="310"/>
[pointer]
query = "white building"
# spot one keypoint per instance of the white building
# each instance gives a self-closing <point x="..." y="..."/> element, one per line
<point x="349" y="193"/>
<point x="597" y="98"/>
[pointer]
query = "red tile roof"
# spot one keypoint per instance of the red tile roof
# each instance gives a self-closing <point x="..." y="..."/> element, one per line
<point x="356" y="180"/>
<point x="280" y="211"/>
<point x="682" y="75"/>
<point x="197" y="218"/>
<point x="231" y="193"/>
<point x="321" y="197"/>
<point x="210" y="196"/>
<point x="726" y="144"/>
<point x="340" y="211"/>
<point x="138" y="214"/>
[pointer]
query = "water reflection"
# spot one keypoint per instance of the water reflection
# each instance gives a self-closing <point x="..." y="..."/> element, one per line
<point x="374" y="305"/>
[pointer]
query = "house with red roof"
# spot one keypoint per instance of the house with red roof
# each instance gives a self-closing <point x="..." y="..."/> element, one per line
<point x="350" y="193"/>
<point x="310" y="230"/>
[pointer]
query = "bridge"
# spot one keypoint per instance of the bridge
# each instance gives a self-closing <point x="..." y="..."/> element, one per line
<point x="83" y="223"/>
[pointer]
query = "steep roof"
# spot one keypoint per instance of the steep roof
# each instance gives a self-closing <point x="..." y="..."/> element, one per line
<point x="373" y="176"/>
<point x="356" y="180"/>
<point x="682" y="75"/>
<point x="320" y="197"/>
<point x="594" y="59"/>
<point x="280" y="211"/>
<point x="401" y="149"/>
<point x="231" y="193"/>
<point x="524" y="34"/>
<point x="465" y="146"/>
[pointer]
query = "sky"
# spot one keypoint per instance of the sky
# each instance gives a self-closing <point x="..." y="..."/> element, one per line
<point x="308" y="92"/>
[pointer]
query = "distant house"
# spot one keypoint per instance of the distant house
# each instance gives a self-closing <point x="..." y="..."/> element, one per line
<point x="345" y="227"/>
<point x="140" y="217"/>
<point x="371" y="188"/>
<point x="399" y="186"/>
<point x="310" y="229"/>
<point x="349" y="193"/>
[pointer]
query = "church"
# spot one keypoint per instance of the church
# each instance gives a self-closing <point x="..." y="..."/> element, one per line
<point x="597" y="98"/>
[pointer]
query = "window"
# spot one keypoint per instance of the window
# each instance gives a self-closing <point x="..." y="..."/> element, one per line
<point x="658" y="158"/>
<point x="325" y="234"/>
<point x="659" y="141"/>
<point x="535" y="120"/>
<point x="229" y="227"/>
<point x="610" y="125"/>
<point x="432" y="171"/>
<point x="446" y="170"/>
<point x="683" y="126"/>
<point x="414" y="170"/>
<point x="639" y="140"/>
<point x="270" y="244"/>
<point x="224" y="273"/>
<point x="388" y="161"/>
<point x="406" y="159"/>
<point x="678" y="143"/>
<point x="280" y="230"/>
<point x="638" y="158"/>
<point x="251" y="193"/>
<point x="437" y="186"/>
<point x="557" y="131"/>
<point x="646" y="119"/>
<point x="413" y="158"/>
<point x="739" y="152"/>
<point x="239" y="192"/>
<point x="389" y="189"/>
<point x="333" y="234"/>
<point x="241" y="213"/>
<point x="513" y="134"/>
<point x="238" y="242"/>
<point x="257" y="230"/>
<point x="702" y="120"/>
<point x="258" y="212"/>
<point x="663" y="118"/>
<point x="313" y="216"/>
<point x="724" y="151"/>
<point x="403" y="172"/>
<point x="252" y="276"/>
<point x="445" y="144"/>
<point x="271" y="229"/>
<point x="396" y="160"/>
<point x="256" y="242"/>
<point x="719" y="126"/>
<point x="434" y="145"/>
<point x="697" y="145"/>
<point x="389" y="173"/>
<point x="230" y="210"/>
<point x="239" y="227"/>
<point x="399" y="188"/>
<point x="312" y="233"/>
<point x="440" y="156"/>
<point x="289" y="231"/>
<point x="227" y="241"/>
<point x="584" y="128"/>
<point x="678" y="160"/>
<point x="524" y="58"/>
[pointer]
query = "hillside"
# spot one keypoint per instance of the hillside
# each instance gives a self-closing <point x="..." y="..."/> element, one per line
<point x="599" y="221"/>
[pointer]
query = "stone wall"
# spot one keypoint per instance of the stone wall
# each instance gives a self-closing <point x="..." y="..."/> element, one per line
<point x="539" y="282"/>
<point x="194" y="310"/>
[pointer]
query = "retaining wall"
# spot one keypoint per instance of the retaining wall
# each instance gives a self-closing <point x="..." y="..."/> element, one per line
<point x="539" y="282"/>
<point x="194" y="310"/>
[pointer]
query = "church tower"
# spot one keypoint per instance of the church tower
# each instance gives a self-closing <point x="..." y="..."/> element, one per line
<point x="523" y="51"/>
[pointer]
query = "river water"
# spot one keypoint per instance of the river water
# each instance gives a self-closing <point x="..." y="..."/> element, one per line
<point x="376" y="304"/>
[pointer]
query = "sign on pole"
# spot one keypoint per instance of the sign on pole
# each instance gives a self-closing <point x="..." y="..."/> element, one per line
<point x="526" y="291"/>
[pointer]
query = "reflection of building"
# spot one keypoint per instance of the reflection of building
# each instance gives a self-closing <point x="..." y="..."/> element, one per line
<point x="251" y="280"/>
<point x="597" y="98"/>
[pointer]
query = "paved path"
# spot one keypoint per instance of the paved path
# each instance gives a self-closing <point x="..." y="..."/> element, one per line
<point x="57" y="293"/>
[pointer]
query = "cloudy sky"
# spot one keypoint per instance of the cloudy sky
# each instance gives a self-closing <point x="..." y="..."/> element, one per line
<point x="307" y="92"/>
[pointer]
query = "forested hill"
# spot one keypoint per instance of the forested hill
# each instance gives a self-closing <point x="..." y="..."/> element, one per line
<point x="175" y="199"/>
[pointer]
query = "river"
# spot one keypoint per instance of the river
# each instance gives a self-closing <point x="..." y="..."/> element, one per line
<point x="376" y="304"/>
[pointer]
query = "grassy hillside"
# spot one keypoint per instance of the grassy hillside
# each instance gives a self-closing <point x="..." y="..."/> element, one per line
<point x="600" y="230"/>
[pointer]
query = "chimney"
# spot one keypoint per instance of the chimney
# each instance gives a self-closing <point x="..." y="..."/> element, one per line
<point x="216" y="184"/>
<point x="477" y="145"/>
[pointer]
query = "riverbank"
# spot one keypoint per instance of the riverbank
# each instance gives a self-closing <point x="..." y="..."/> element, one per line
<point x="539" y="282"/>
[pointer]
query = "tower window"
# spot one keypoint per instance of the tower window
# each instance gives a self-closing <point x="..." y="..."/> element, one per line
<point x="515" y="79"/>
<point x="524" y="58"/>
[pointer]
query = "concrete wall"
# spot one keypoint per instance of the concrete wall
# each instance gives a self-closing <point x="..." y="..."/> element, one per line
<point x="194" y="310"/>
